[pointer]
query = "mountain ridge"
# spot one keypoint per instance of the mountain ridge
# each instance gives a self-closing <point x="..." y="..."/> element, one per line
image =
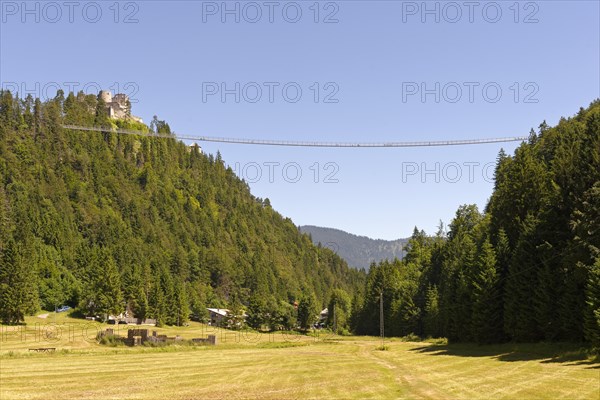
<point x="358" y="251"/>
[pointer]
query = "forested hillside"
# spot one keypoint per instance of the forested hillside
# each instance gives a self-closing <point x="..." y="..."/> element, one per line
<point x="105" y="222"/>
<point x="526" y="269"/>
<point x="358" y="251"/>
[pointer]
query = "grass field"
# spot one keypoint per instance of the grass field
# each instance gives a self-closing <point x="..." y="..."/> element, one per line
<point x="277" y="366"/>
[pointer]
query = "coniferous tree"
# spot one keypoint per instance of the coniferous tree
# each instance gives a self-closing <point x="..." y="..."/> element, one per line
<point x="307" y="310"/>
<point x="462" y="309"/>
<point x="18" y="292"/>
<point x="432" y="322"/>
<point x="258" y="312"/>
<point x="519" y="313"/>
<point x="355" y="321"/>
<point x="182" y="303"/>
<point x="487" y="323"/>
<point x="102" y="117"/>
<point x="141" y="305"/>
<point x="503" y="257"/>
<point x="339" y="308"/>
<point x="592" y="311"/>
<point x="56" y="285"/>
<point x="546" y="294"/>
<point x="406" y="315"/>
<point x="102" y="292"/>
<point x="157" y="304"/>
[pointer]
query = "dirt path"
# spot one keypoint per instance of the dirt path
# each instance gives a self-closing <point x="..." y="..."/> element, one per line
<point x="413" y="386"/>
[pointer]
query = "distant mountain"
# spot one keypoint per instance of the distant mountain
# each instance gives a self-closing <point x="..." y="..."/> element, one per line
<point x="358" y="251"/>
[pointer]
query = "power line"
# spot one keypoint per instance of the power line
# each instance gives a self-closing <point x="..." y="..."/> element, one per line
<point x="292" y="143"/>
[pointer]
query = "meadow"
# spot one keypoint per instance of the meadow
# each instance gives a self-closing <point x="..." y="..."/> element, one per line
<point x="276" y="366"/>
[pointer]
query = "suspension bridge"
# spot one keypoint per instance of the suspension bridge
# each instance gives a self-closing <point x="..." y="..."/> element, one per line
<point x="293" y="143"/>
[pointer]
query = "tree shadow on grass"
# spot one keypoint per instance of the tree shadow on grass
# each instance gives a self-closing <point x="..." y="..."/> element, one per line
<point x="567" y="353"/>
<point x="593" y="364"/>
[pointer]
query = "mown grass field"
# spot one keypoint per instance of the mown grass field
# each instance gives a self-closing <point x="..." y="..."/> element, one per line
<point x="278" y="366"/>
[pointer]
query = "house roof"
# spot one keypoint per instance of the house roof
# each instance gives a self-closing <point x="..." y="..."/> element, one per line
<point x="221" y="311"/>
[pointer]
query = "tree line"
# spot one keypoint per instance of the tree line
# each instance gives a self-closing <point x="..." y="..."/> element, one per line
<point x="526" y="269"/>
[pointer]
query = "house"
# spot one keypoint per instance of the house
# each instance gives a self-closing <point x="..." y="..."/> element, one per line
<point x="217" y="316"/>
<point x="323" y="315"/>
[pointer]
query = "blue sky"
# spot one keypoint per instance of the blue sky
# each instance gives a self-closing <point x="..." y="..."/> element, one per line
<point x="362" y="68"/>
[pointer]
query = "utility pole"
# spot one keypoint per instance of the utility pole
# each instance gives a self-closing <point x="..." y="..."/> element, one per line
<point x="335" y="317"/>
<point x="381" y="327"/>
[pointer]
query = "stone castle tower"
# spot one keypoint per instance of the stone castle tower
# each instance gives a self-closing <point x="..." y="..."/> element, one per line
<point x="119" y="106"/>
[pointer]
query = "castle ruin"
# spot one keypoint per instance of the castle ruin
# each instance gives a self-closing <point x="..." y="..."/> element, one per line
<point x="119" y="106"/>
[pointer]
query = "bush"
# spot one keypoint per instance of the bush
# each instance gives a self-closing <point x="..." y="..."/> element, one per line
<point x="344" y="332"/>
<point x="110" y="340"/>
<point x="411" y="337"/>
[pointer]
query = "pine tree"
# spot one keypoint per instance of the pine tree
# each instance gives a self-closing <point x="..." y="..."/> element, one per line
<point x="18" y="291"/>
<point x="109" y="286"/>
<point x="181" y="301"/>
<point x="546" y="294"/>
<point x="462" y="308"/>
<point x="519" y="313"/>
<point x="487" y="327"/>
<point x="6" y="225"/>
<point x="257" y="311"/>
<point x="171" y="304"/>
<point x="432" y="313"/>
<point x="592" y="311"/>
<point x="55" y="283"/>
<point x="102" y="117"/>
<point x="102" y="292"/>
<point x="37" y="117"/>
<point x="339" y="310"/>
<point x="356" y="312"/>
<point x="157" y="304"/>
<point x="307" y="310"/>
<point x="141" y="303"/>
<point x="406" y="315"/>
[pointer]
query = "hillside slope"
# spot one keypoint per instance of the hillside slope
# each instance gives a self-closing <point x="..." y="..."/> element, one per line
<point x="358" y="251"/>
<point x="105" y="221"/>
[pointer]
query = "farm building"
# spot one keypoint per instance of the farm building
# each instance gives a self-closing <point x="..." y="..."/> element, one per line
<point x="217" y="316"/>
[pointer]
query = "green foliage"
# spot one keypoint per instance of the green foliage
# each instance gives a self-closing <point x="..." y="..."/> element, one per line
<point x="285" y="317"/>
<point x="114" y="223"/>
<point x="487" y="323"/>
<point x="307" y="311"/>
<point x="258" y="312"/>
<point x="102" y="294"/>
<point x="592" y="311"/>
<point x="339" y="308"/>
<point x="525" y="270"/>
<point x="432" y="318"/>
<point x="18" y="294"/>
<point x="384" y="281"/>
